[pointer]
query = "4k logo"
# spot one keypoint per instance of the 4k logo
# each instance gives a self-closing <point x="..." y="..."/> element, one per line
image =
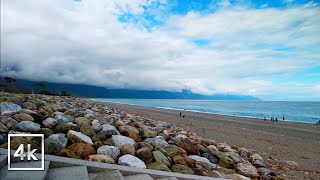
<point x="26" y="153"/>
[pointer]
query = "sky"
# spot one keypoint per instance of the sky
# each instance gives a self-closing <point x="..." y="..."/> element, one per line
<point x="267" y="48"/>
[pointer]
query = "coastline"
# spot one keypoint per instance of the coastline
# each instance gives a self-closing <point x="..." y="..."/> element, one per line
<point x="277" y="141"/>
<point x="205" y="112"/>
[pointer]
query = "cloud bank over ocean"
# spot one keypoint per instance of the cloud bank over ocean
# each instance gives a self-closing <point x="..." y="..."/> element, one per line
<point x="266" y="50"/>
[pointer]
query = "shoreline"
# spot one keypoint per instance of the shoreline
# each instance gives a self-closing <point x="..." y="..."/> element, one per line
<point x="205" y="112"/>
<point x="277" y="141"/>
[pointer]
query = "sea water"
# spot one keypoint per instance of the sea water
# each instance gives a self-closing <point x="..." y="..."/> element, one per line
<point x="308" y="112"/>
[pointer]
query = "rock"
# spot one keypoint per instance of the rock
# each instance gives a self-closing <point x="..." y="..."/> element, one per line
<point x="82" y="150"/>
<point x="145" y="144"/>
<point x="87" y="130"/>
<point x="49" y="122"/>
<point x="235" y="157"/>
<point x="30" y="105"/>
<point x="158" y="166"/>
<point x="236" y="177"/>
<point x="224" y="160"/>
<point x="101" y="158"/>
<point x="119" y="140"/>
<point x="96" y="126"/>
<point x="16" y="142"/>
<point x="203" y="160"/>
<point x="52" y="147"/>
<point x="157" y="141"/>
<point x="128" y="149"/>
<point x="23" y="117"/>
<point x="160" y="157"/>
<point x="46" y="132"/>
<point x="202" y="148"/>
<point x="182" y="159"/>
<point x="190" y="148"/>
<point x="60" y="138"/>
<point x="256" y="157"/>
<point x="112" y="151"/>
<point x="265" y="171"/>
<point x="178" y="168"/>
<point x="127" y="128"/>
<point x="247" y="170"/>
<point x="224" y="147"/>
<point x="145" y="155"/>
<point x="201" y="171"/>
<point x="8" y="108"/>
<point x="28" y="126"/>
<point x="64" y="128"/>
<point x="77" y="137"/>
<point x="62" y="119"/>
<point x="132" y="161"/>
<point x="259" y="163"/>
<point x="82" y="120"/>
<point x="3" y="128"/>
<point x="99" y="137"/>
<point x="109" y="128"/>
<point x="3" y="138"/>
<point x="68" y="153"/>
<point x="212" y="149"/>
<point x="172" y="150"/>
<point x="211" y="158"/>
<point x="292" y="164"/>
<point x="147" y="133"/>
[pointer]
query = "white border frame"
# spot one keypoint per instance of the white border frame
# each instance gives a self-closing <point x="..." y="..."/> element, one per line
<point x="42" y="152"/>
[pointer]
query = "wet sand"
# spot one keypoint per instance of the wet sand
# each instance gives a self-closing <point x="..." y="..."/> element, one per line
<point x="276" y="141"/>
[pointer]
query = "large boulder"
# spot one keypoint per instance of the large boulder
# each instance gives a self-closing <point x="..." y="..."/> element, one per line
<point x="101" y="158"/>
<point x="112" y="151"/>
<point x="119" y="140"/>
<point x="145" y="155"/>
<point x="8" y="108"/>
<point x="28" y="126"/>
<point x="182" y="159"/>
<point x="189" y="147"/>
<point x="160" y="157"/>
<point x="77" y="137"/>
<point x="132" y="161"/>
<point x="82" y="150"/>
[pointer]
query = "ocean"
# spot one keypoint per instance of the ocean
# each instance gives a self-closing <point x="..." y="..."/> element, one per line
<point x="307" y="112"/>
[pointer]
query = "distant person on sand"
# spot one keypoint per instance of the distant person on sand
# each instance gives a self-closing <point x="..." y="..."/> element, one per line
<point x="265" y="118"/>
<point x="180" y="114"/>
<point x="276" y="119"/>
<point x="283" y="118"/>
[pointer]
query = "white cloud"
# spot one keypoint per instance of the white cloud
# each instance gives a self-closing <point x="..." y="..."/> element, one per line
<point x="83" y="42"/>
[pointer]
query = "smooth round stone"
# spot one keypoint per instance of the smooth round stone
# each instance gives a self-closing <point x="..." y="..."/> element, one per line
<point x="52" y="147"/>
<point x="110" y="128"/>
<point x="211" y="158"/>
<point x="28" y="126"/>
<point x="3" y="138"/>
<point x="3" y="128"/>
<point x="132" y="161"/>
<point x="112" y="151"/>
<point x="8" y="108"/>
<point x="96" y="126"/>
<point x="157" y="141"/>
<point x="247" y="170"/>
<point x="160" y="157"/>
<point x="49" y="122"/>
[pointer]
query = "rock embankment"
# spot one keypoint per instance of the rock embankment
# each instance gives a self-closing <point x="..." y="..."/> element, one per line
<point x="77" y="128"/>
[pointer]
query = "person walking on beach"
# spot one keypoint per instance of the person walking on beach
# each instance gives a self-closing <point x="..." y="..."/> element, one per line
<point x="283" y="118"/>
<point x="265" y="119"/>
<point x="276" y="119"/>
<point x="180" y="114"/>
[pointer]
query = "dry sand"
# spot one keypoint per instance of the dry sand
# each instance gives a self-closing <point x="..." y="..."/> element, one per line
<point x="277" y="141"/>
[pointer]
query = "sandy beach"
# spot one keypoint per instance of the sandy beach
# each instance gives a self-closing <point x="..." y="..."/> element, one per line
<point x="277" y="142"/>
